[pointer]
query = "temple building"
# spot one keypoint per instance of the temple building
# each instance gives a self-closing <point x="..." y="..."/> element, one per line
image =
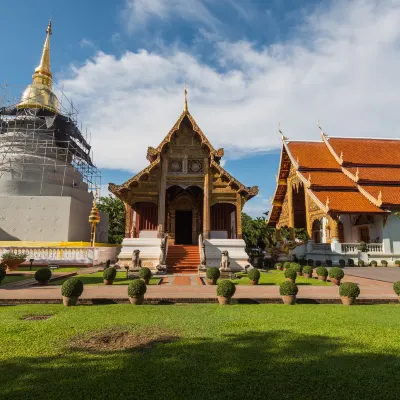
<point x="182" y="193"/>
<point x="343" y="191"/>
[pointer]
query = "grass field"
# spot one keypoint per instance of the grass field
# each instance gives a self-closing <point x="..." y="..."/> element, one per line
<point x="14" y="278"/>
<point x="200" y="352"/>
<point x="61" y="269"/>
<point x="97" y="279"/>
<point x="274" y="277"/>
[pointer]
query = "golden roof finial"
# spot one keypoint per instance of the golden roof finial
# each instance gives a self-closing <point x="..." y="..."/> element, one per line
<point x="39" y="94"/>
<point x="327" y="203"/>
<point x="185" y="106"/>
<point x="283" y="137"/>
<point x="357" y="174"/>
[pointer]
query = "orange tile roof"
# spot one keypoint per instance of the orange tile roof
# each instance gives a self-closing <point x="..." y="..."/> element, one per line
<point x="367" y="151"/>
<point x="328" y="179"/>
<point x="390" y="194"/>
<point x="346" y="202"/>
<point x="312" y="155"/>
<point x="377" y="174"/>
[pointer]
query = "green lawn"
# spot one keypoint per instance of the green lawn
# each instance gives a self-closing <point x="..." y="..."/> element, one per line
<point x="61" y="269"/>
<point x="97" y="279"/>
<point x="14" y="278"/>
<point x="274" y="277"/>
<point x="212" y="352"/>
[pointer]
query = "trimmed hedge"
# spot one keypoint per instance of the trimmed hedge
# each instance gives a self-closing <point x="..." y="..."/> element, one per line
<point x="109" y="274"/>
<point x="145" y="273"/>
<point x="43" y="274"/>
<point x="296" y="267"/>
<point x="226" y="288"/>
<point x="396" y="288"/>
<point x="384" y="262"/>
<point x="361" y="263"/>
<point x="349" y="289"/>
<point x="137" y="288"/>
<point x="213" y="273"/>
<point x="290" y="273"/>
<point x="307" y="269"/>
<point x="336" y="273"/>
<point x="286" y="264"/>
<point x="254" y="274"/>
<point x="72" y="287"/>
<point x="288" y="288"/>
<point x="3" y="273"/>
<point x="374" y="262"/>
<point x="321" y="271"/>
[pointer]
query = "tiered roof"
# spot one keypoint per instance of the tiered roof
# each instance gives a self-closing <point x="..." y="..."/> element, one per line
<point x="342" y="175"/>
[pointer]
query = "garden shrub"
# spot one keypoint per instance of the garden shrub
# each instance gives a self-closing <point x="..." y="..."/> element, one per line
<point x="213" y="273"/>
<point x="361" y="263"/>
<point x="374" y="262"/>
<point x="254" y="274"/>
<point x="349" y="289"/>
<point x="321" y="271"/>
<point x="286" y="264"/>
<point x="307" y="269"/>
<point x="362" y="246"/>
<point x="72" y="287"/>
<point x="137" y="288"/>
<point x="3" y="273"/>
<point x="290" y="273"/>
<point x="396" y="288"/>
<point x="278" y="265"/>
<point x="226" y="289"/>
<point x="350" y="262"/>
<point x="43" y="274"/>
<point x="145" y="273"/>
<point x="11" y="256"/>
<point x="318" y="263"/>
<point x="328" y="263"/>
<point x="342" y="262"/>
<point x="288" y="288"/>
<point x="302" y="262"/>
<point x="310" y="262"/>
<point x="296" y="267"/>
<point x="336" y="273"/>
<point x="384" y="262"/>
<point x="109" y="274"/>
<point x="397" y="262"/>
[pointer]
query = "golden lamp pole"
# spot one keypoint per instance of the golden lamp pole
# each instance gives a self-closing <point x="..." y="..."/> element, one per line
<point x="94" y="219"/>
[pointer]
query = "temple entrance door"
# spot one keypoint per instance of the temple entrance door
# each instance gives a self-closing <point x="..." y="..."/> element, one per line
<point x="183" y="227"/>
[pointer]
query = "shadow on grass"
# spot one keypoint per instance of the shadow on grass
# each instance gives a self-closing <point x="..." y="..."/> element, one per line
<point x="254" y="365"/>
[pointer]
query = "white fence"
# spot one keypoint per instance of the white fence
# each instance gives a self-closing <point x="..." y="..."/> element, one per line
<point x="353" y="248"/>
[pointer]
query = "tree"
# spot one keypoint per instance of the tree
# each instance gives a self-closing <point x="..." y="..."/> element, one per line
<point x="256" y="232"/>
<point x="116" y="212"/>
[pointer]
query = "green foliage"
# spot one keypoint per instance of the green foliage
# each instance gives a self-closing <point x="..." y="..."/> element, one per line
<point x="254" y="274"/>
<point x="397" y="262"/>
<point x="302" y="262"/>
<point x="296" y="267"/>
<point x="321" y="271"/>
<point x="318" y="263"/>
<point x="349" y="289"/>
<point x="226" y="288"/>
<point x="115" y="209"/>
<point x="362" y="246"/>
<point x="301" y="234"/>
<point x="361" y="263"/>
<point x="291" y="274"/>
<point x="374" y="262"/>
<point x="278" y="265"/>
<point x="310" y="262"/>
<point x="288" y="288"/>
<point x="145" y="273"/>
<point x="256" y="232"/>
<point x="286" y="264"/>
<point x="350" y="262"/>
<point x="109" y="274"/>
<point x="213" y="273"/>
<point x="396" y="288"/>
<point x="328" y="263"/>
<point x="3" y="273"/>
<point x="336" y="273"/>
<point x="72" y="287"/>
<point x="136" y="288"/>
<point x="307" y="269"/>
<point x="384" y="262"/>
<point x="43" y="274"/>
<point x="11" y="256"/>
<point x="342" y="262"/>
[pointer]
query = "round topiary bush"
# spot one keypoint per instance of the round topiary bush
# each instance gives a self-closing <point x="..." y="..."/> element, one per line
<point x="322" y="271"/>
<point x="226" y="288"/>
<point x="72" y="287"/>
<point x="288" y="288"/>
<point x="342" y="262"/>
<point x="310" y="262"/>
<point x="396" y="288"/>
<point x="109" y="274"/>
<point x="3" y="273"/>
<point x="336" y="273"/>
<point x="328" y="263"/>
<point x="350" y="262"/>
<point x="137" y="288"/>
<point x="286" y="264"/>
<point x="362" y="247"/>
<point x="296" y="267"/>
<point x="307" y="270"/>
<point x="349" y="289"/>
<point x="384" y="263"/>
<point x="361" y="263"/>
<point x="212" y="274"/>
<point x="318" y="263"/>
<point x="397" y="263"/>
<point x="291" y="274"/>
<point x="145" y="274"/>
<point x="278" y="266"/>
<point x="254" y="275"/>
<point x="43" y="274"/>
<point x="374" y="263"/>
<point x="302" y="262"/>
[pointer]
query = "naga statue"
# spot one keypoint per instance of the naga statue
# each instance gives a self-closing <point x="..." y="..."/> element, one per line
<point x="136" y="261"/>
<point x="162" y="266"/>
<point x="203" y="259"/>
<point x="225" y="263"/>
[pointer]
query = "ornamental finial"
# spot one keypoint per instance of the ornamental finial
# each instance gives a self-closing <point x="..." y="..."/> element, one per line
<point x="283" y="137"/>
<point x="185" y="106"/>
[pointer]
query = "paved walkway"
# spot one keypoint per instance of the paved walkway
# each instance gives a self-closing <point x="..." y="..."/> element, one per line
<point x="388" y="274"/>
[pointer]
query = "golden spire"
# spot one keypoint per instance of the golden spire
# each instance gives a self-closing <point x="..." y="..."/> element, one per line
<point x="39" y="94"/>
<point x="185" y="105"/>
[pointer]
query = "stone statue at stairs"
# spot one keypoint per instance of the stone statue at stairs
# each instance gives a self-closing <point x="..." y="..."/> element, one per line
<point x="203" y="260"/>
<point x="136" y="261"/>
<point x="162" y="266"/>
<point x="225" y="263"/>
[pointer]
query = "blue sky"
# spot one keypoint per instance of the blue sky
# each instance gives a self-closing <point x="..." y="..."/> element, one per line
<point x="249" y="64"/>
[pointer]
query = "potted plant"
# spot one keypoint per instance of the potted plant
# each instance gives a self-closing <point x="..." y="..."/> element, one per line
<point x="290" y="275"/>
<point x="288" y="291"/>
<point x="254" y="276"/>
<point x="397" y="263"/>
<point x="318" y="263"/>
<point x="136" y="291"/>
<point x="225" y="290"/>
<point x="71" y="289"/>
<point x="11" y="260"/>
<point x="145" y="274"/>
<point x="350" y="262"/>
<point x="342" y="263"/>
<point x="328" y="263"/>
<point x="297" y="268"/>
<point x="396" y="288"/>
<point x="109" y="275"/>
<point x="278" y="266"/>
<point x="384" y="263"/>
<point x="3" y="274"/>
<point x="322" y="273"/>
<point x="349" y="291"/>
<point x="303" y="262"/>
<point x="310" y="262"/>
<point x="43" y="275"/>
<point x="374" y="263"/>
<point x="286" y="265"/>
<point x="361" y="263"/>
<point x="335" y="275"/>
<point x="307" y="271"/>
<point x="212" y="275"/>
<point x="362" y="247"/>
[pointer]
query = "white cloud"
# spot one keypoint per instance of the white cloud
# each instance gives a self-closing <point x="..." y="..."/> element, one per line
<point x="86" y="43"/>
<point x="342" y="69"/>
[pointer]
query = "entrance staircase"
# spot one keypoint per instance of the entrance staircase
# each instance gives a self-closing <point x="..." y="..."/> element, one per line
<point x="183" y="259"/>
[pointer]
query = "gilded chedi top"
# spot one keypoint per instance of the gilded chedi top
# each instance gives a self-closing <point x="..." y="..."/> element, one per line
<point x="39" y="94"/>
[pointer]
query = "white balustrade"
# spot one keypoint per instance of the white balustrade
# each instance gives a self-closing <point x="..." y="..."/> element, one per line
<point x="321" y="247"/>
<point x="353" y="247"/>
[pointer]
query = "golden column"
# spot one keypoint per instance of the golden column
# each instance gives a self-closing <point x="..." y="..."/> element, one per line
<point x="334" y="224"/>
<point x="239" y="206"/>
<point x="94" y="219"/>
<point x="291" y="209"/>
<point x="206" y="202"/>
